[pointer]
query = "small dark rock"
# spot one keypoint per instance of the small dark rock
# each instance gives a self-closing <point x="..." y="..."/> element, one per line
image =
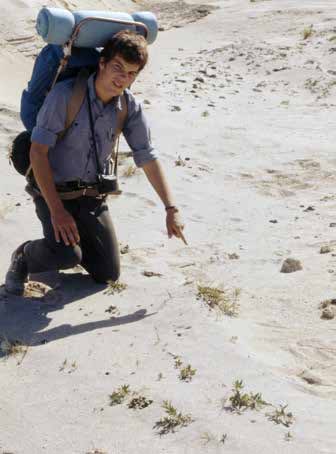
<point x="328" y="313"/>
<point x="291" y="265"/>
<point x="325" y="249"/>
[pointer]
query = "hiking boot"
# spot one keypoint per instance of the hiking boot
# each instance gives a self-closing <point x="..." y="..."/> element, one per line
<point x="17" y="272"/>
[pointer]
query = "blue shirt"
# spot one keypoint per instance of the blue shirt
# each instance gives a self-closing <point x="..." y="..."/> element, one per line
<point x="73" y="156"/>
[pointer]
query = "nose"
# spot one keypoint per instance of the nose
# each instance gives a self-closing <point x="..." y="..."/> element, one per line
<point x="122" y="77"/>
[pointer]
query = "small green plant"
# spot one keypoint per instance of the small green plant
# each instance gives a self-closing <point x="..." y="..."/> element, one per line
<point x="180" y="162"/>
<point x="307" y="32"/>
<point x="206" y="438"/>
<point x="288" y="436"/>
<point x="139" y="402"/>
<point x="115" y="287"/>
<point x="130" y="171"/>
<point x="97" y="451"/>
<point x="224" y="301"/>
<point x="118" y="396"/>
<point x="242" y="401"/>
<point x="281" y="416"/>
<point x="223" y="438"/>
<point x="187" y="373"/>
<point x="173" y="420"/>
<point x="10" y="348"/>
<point x="124" y="249"/>
<point x="71" y="367"/>
<point x="112" y="310"/>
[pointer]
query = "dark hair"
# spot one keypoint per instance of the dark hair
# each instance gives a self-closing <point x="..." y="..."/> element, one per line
<point x="129" y="45"/>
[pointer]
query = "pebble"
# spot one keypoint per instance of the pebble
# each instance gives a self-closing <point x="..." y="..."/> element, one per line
<point x="310" y="378"/>
<point x="325" y="249"/>
<point x="199" y="79"/>
<point x="291" y="265"/>
<point x="328" y="314"/>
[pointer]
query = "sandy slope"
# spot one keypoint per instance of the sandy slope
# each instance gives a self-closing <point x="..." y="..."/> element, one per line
<point x="245" y="105"/>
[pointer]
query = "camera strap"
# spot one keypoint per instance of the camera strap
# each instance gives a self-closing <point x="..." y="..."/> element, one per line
<point x="121" y="117"/>
<point x="99" y="171"/>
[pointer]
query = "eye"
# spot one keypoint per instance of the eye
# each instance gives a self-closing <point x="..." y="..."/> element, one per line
<point x="116" y="67"/>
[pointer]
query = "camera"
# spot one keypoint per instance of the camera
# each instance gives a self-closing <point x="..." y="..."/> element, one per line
<point x="108" y="184"/>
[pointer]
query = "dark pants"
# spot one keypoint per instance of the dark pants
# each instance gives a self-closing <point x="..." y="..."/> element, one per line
<point x="97" y="252"/>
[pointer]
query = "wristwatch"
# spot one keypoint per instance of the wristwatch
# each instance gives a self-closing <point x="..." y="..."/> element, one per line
<point x="172" y="207"/>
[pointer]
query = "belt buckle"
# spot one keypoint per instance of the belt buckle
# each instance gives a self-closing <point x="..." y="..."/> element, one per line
<point x="79" y="185"/>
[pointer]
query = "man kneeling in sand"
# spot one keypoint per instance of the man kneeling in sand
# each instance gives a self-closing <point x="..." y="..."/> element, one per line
<point x="79" y="230"/>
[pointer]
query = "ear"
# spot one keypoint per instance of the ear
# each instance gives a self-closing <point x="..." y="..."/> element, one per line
<point x="102" y="63"/>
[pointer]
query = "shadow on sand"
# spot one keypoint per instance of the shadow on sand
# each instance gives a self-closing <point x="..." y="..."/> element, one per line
<point x="22" y="318"/>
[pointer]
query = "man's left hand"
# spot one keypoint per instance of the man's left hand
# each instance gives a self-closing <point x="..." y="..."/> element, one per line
<point x="175" y="225"/>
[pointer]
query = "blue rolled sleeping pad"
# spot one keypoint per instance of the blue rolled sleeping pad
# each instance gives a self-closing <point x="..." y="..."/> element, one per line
<point x="55" y="26"/>
<point x="44" y="71"/>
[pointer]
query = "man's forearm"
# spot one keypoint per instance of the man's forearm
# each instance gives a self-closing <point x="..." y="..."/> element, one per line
<point x="43" y="176"/>
<point x="156" y="177"/>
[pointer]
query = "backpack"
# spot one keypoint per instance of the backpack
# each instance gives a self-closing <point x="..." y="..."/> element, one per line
<point x="82" y="63"/>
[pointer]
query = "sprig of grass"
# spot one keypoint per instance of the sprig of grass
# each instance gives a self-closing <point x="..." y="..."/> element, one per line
<point x="118" y="396"/>
<point x="10" y="348"/>
<point x="97" y="451"/>
<point x="115" y="287"/>
<point x="281" y="416"/>
<point x="308" y="31"/>
<point x="130" y="171"/>
<point x="288" y="436"/>
<point x="139" y="402"/>
<point x="172" y="420"/>
<point x="224" y="301"/>
<point x="187" y="373"/>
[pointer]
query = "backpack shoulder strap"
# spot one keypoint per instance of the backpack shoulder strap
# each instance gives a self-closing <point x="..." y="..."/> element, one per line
<point x="121" y="118"/>
<point x="121" y="115"/>
<point x="76" y="100"/>
<point x="74" y="104"/>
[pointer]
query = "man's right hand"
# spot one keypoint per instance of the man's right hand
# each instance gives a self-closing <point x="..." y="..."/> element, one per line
<point x="65" y="227"/>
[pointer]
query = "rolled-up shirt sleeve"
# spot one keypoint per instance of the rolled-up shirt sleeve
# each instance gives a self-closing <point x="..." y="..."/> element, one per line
<point x="137" y="133"/>
<point x="51" y="117"/>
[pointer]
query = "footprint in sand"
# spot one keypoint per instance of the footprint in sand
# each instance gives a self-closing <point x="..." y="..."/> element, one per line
<point x="5" y="209"/>
<point x="317" y="360"/>
<point x="43" y="293"/>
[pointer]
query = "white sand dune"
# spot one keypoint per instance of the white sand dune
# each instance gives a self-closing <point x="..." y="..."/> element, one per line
<point x="241" y="107"/>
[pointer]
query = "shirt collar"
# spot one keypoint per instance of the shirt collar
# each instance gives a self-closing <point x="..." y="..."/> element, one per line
<point x="116" y="101"/>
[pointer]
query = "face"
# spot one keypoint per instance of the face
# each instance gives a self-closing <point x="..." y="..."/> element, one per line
<point x="115" y="76"/>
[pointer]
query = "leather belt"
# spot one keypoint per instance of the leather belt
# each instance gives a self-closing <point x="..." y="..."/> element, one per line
<point x="85" y="192"/>
<point x="67" y="195"/>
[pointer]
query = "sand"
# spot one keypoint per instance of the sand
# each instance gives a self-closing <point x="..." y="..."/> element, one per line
<point x="241" y="108"/>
